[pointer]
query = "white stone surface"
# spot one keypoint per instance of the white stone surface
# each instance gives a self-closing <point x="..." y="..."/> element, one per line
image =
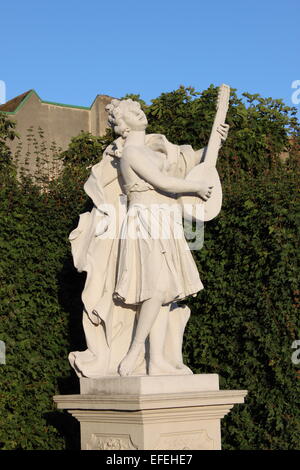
<point x="137" y="260"/>
<point x="150" y="401"/>
<point x="144" y="385"/>
<point x="144" y="415"/>
<point x="135" y="276"/>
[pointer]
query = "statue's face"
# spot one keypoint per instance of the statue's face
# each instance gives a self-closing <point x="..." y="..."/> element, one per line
<point x="134" y="118"/>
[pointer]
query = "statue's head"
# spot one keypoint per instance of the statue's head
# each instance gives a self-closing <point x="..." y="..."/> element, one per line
<point x="125" y="116"/>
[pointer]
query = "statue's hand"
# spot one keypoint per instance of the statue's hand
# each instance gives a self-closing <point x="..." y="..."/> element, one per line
<point x="205" y="191"/>
<point x="223" y="130"/>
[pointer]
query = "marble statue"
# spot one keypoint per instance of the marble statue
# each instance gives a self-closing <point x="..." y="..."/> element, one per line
<point x="133" y="249"/>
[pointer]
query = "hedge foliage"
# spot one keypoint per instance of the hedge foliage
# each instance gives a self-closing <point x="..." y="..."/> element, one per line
<point x="242" y="324"/>
<point x="247" y="318"/>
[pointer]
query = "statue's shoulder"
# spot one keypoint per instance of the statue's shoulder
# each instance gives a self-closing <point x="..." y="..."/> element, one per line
<point x="161" y="141"/>
<point x="157" y="141"/>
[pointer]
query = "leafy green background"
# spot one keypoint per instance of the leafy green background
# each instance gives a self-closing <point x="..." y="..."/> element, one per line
<point x="243" y="323"/>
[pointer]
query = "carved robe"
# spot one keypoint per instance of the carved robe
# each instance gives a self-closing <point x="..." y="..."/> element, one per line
<point x="108" y="322"/>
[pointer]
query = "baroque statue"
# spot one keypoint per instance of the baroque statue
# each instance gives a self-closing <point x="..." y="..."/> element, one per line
<point x="133" y="248"/>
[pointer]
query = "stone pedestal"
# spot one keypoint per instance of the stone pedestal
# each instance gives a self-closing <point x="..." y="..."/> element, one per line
<point x="153" y="413"/>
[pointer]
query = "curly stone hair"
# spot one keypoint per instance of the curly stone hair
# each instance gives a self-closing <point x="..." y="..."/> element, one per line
<point x="116" y="110"/>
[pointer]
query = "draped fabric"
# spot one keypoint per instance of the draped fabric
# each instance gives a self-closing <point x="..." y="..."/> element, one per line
<point x="154" y="253"/>
<point x="110" y="261"/>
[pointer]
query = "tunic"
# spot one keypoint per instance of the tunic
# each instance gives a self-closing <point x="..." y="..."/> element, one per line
<point x="153" y="252"/>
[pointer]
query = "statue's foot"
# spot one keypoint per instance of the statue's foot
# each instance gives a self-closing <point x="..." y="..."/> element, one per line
<point x="129" y="362"/>
<point x="159" y="366"/>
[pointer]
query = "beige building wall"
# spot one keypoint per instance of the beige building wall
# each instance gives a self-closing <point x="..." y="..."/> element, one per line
<point x="98" y="115"/>
<point x="59" y="124"/>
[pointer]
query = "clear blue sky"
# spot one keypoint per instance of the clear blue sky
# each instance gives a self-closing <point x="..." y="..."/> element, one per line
<point x="70" y="51"/>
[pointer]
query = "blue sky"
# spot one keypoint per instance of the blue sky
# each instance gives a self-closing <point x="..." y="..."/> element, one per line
<point x="70" y="51"/>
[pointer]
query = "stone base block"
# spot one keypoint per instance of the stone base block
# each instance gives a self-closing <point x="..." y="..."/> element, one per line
<point x="151" y="413"/>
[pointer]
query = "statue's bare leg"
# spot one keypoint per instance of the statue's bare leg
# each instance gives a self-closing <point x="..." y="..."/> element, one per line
<point x="157" y="337"/>
<point x="148" y="313"/>
<point x="159" y="363"/>
<point x="178" y="318"/>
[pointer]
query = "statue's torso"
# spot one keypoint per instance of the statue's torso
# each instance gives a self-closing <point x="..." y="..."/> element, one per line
<point x="140" y="191"/>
